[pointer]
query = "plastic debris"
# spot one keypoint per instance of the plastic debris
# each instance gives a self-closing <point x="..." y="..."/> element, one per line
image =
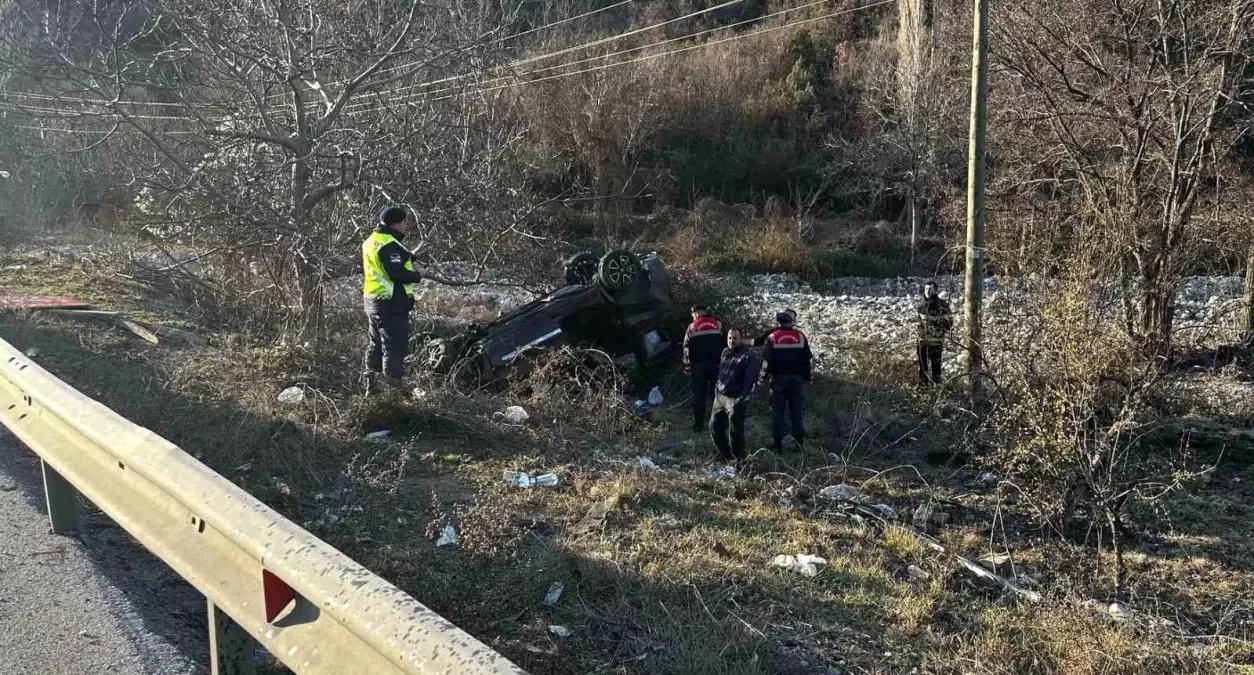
<point x="847" y="493"/>
<point x="655" y="397"/>
<point x="554" y="593"/>
<point x="291" y="396"/>
<point x="987" y="478"/>
<point x="804" y="563"/>
<point x="721" y="473"/>
<point x="524" y="479"/>
<point x="32" y="352"/>
<point x="419" y="393"/>
<point x="560" y="631"/>
<point x="922" y="515"/>
<point x="280" y="485"/>
<point x="884" y="511"/>
<point x="1119" y="611"/>
<point x="244" y="468"/>
<point x="448" y="538"/>
<point x="376" y="435"/>
<point x="514" y="414"/>
<point x="595" y="517"/>
<point x="647" y="464"/>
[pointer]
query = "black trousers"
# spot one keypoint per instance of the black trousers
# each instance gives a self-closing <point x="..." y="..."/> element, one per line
<point x="704" y="377"/>
<point x="729" y="412"/>
<point x="389" y="343"/>
<point x="929" y="363"/>
<point x="786" y="398"/>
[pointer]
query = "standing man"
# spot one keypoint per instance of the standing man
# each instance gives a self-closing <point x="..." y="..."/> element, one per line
<point x="737" y="378"/>
<point x="935" y="320"/>
<point x="388" y="291"/>
<point x="788" y="362"/>
<point x="760" y="341"/>
<point x="703" y="346"/>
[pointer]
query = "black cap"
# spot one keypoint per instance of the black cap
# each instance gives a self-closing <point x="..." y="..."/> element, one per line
<point x="392" y="215"/>
<point x="785" y="319"/>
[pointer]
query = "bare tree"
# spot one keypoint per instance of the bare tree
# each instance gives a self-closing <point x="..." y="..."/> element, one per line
<point x="912" y="98"/>
<point x="1126" y="111"/>
<point x="271" y="128"/>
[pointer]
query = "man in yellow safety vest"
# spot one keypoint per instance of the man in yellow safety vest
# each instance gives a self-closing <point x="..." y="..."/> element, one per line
<point x="388" y="289"/>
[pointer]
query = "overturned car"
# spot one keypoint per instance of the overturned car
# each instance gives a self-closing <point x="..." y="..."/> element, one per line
<point x="619" y="303"/>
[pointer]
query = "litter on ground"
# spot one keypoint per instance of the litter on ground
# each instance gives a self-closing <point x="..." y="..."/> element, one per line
<point x="804" y="563"/>
<point x="291" y="396"/>
<point x="513" y="414"/>
<point x="554" y="594"/>
<point x="448" y="537"/>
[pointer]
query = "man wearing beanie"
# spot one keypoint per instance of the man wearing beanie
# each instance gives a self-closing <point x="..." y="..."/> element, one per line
<point x="787" y="355"/>
<point x="388" y="291"/>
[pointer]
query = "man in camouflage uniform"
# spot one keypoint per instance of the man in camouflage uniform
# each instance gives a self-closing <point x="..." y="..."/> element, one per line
<point x="935" y="320"/>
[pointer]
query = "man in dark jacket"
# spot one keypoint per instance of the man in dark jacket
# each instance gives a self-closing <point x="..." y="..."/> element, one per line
<point x="388" y="293"/>
<point x="737" y="378"/>
<point x="788" y="362"/>
<point x="703" y="346"/>
<point x="935" y="320"/>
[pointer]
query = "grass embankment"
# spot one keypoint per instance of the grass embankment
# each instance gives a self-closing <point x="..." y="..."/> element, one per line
<point x="664" y="571"/>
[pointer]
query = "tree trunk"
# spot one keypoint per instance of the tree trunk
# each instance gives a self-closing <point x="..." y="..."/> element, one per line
<point x="1249" y="298"/>
<point x="1116" y="545"/>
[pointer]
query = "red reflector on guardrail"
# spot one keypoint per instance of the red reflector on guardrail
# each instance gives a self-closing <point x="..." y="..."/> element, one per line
<point x="278" y="595"/>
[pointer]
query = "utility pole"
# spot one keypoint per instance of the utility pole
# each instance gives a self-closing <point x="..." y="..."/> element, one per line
<point x="975" y="195"/>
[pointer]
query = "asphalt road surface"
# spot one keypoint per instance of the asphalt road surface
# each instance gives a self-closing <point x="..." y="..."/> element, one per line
<point x="95" y="602"/>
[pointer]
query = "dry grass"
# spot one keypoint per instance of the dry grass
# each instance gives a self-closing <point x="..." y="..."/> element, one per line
<point x="667" y="572"/>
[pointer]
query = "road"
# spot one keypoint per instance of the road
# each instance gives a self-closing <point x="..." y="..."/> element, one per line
<point x="92" y="603"/>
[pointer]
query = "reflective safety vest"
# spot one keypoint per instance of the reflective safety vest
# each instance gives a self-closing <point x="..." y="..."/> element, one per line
<point x="376" y="283"/>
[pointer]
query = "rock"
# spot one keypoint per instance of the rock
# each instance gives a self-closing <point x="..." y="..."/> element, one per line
<point x="916" y="573"/>
<point x="1119" y="611"/>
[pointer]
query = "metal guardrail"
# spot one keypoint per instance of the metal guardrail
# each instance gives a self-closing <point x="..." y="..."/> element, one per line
<point x="264" y="578"/>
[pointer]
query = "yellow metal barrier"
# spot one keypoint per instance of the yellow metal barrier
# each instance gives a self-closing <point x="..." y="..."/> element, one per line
<point x="311" y="606"/>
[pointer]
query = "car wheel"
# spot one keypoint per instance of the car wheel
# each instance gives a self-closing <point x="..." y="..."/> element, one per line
<point x="619" y="270"/>
<point x="581" y="269"/>
<point x="438" y="356"/>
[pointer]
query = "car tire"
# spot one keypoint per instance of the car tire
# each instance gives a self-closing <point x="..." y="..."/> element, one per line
<point x="438" y="356"/>
<point x="619" y="269"/>
<point x="581" y="269"/>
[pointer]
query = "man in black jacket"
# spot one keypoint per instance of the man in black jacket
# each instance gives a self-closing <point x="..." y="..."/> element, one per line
<point x="703" y="346"/>
<point x="388" y="284"/>
<point x="737" y="379"/>
<point x="934" y="321"/>
<point x="788" y="362"/>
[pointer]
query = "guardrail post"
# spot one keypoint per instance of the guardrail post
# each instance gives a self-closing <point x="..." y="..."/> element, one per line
<point x="62" y="501"/>
<point x="231" y="648"/>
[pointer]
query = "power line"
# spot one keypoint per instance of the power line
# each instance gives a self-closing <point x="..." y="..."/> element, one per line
<point x="671" y="52"/>
<point x="496" y="41"/>
<point x="562" y="21"/>
<point x="567" y="50"/>
<point x="484" y="90"/>
<point x="365" y="104"/>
